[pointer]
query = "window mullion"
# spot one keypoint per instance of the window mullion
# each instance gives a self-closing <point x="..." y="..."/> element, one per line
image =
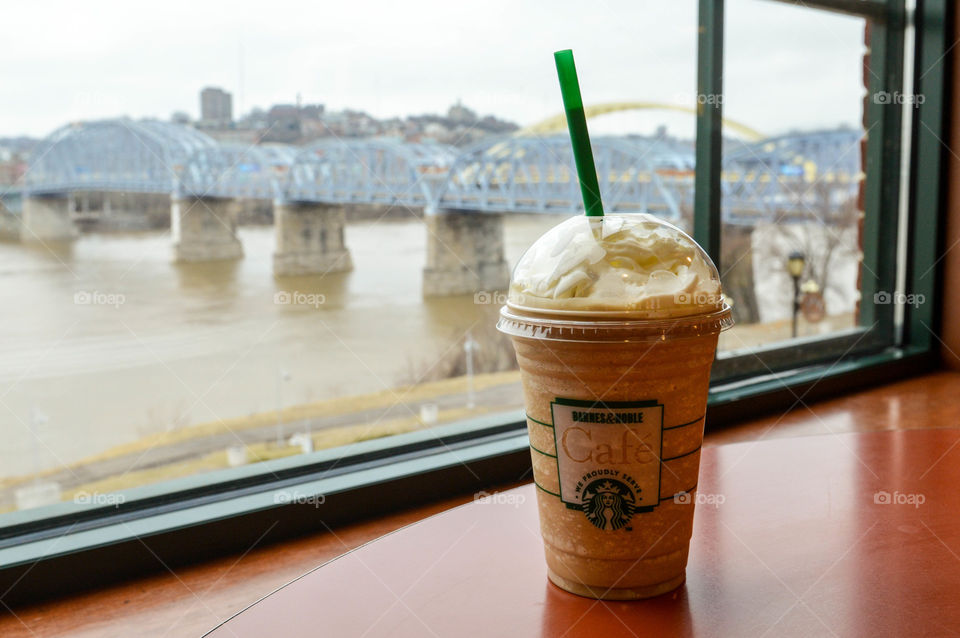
<point x="706" y="207"/>
<point x="927" y="171"/>
<point x="882" y="168"/>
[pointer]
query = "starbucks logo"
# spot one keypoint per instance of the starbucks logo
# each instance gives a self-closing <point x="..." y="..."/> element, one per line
<point x="608" y="504"/>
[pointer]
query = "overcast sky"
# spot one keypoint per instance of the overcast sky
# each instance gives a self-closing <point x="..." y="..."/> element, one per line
<point x="786" y="67"/>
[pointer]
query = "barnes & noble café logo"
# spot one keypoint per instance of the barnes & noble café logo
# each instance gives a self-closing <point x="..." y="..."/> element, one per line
<point x="611" y="474"/>
<point x="608" y="504"/>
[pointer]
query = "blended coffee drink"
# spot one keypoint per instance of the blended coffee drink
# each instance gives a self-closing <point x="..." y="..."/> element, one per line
<point x="615" y="321"/>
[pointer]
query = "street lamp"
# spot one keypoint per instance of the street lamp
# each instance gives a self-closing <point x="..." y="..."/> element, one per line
<point x="796" y="262"/>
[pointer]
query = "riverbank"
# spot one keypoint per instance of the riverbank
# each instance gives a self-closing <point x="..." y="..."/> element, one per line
<point x="198" y="343"/>
<point x="329" y="423"/>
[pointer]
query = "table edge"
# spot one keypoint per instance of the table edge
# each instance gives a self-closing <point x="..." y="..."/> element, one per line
<point x="871" y="433"/>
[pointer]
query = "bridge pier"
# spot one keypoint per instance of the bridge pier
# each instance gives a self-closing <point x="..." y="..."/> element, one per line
<point x="737" y="265"/>
<point x="310" y="239"/>
<point x="204" y="229"/>
<point x="9" y="225"/>
<point x="464" y="253"/>
<point x="47" y="218"/>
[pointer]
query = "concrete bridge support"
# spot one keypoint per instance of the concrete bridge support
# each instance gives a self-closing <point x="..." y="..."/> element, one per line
<point x="310" y="239"/>
<point x="464" y="253"/>
<point x="9" y="225"/>
<point x="204" y="229"/>
<point x="47" y="218"/>
<point x="736" y="264"/>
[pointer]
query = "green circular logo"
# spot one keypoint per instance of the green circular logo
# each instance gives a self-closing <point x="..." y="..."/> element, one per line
<point x="608" y="503"/>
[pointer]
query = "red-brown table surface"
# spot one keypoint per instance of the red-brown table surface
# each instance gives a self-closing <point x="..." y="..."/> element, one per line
<point x="799" y="546"/>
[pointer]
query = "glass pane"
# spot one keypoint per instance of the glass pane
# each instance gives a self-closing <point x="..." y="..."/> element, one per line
<point x="166" y="316"/>
<point x="794" y="104"/>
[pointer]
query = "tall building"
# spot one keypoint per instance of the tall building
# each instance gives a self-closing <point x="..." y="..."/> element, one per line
<point x="216" y="107"/>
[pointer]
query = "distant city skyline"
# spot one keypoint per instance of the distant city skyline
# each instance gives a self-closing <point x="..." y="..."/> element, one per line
<point x="786" y="67"/>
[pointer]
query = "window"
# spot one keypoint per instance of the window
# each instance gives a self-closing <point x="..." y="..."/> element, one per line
<point x="795" y="194"/>
<point x="314" y="299"/>
<point x="829" y="197"/>
<point x="152" y="398"/>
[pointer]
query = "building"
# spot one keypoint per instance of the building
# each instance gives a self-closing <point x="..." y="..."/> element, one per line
<point x="459" y="114"/>
<point x="294" y="123"/>
<point x="216" y="108"/>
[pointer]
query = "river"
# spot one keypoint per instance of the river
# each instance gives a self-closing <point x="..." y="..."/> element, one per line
<point x="109" y="341"/>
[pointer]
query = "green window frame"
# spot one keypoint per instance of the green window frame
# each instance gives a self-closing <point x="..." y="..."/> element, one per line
<point x="882" y="337"/>
<point x="159" y="527"/>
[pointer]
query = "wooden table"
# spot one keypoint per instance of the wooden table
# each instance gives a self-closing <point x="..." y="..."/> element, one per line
<point x="846" y="535"/>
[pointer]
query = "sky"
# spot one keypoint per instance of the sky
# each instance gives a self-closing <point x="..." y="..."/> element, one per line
<point x="785" y="67"/>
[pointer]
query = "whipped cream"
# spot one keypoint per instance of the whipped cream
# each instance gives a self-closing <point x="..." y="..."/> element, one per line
<point x="634" y="264"/>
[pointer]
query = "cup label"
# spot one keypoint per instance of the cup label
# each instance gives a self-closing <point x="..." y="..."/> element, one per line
<point x="608" y="457"/>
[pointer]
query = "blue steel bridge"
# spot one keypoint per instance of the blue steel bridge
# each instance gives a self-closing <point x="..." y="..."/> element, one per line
<point x="464" y="192"/>
<point x="761" y="180"/>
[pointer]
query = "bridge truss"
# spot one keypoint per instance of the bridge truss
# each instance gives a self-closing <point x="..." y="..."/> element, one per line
<point x="788" y="177"/>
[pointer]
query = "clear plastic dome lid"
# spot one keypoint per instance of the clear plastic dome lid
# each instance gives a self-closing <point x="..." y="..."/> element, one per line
<point x="632" y="266"/>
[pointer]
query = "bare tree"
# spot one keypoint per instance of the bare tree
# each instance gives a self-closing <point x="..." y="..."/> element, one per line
<point x="824" y="232"/>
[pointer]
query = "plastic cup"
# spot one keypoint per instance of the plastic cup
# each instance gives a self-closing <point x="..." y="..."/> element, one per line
<point x="615" y="404"/>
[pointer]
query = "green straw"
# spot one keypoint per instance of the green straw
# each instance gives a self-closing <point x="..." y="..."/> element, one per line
<point x="579" y="137"/>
